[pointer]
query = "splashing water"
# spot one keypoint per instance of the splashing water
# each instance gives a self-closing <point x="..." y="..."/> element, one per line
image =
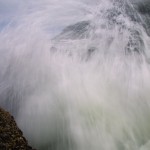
<point x="75" y="74"/>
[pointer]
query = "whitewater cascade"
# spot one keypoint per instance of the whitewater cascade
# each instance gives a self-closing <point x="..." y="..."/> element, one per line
<point x="75" y="74"/>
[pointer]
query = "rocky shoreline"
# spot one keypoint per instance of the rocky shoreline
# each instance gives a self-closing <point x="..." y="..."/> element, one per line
<point x="11" y="137"/>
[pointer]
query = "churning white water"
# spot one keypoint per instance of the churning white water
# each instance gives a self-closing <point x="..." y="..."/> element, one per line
<point x="76" y="75"/>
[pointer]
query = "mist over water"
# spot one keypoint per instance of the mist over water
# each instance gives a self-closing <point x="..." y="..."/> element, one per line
<point x="75" y="74"/>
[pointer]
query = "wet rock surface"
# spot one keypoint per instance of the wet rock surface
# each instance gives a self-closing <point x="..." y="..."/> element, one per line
<point x="11" y="137"/>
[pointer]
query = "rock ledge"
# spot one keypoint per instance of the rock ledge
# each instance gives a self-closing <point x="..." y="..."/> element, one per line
<point x="11" y="137"/>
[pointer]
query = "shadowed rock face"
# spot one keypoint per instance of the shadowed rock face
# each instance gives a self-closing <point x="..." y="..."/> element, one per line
<point x="11" y="137"/>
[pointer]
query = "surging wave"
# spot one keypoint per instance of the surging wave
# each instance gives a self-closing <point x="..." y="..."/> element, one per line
<point x="84" y="88"/>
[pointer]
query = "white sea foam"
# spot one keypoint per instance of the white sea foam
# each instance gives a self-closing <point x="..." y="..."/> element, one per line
<point x="67" y="97"/>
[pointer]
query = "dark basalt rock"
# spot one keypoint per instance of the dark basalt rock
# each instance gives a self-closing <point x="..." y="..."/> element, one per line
<point x="11" y="137"/>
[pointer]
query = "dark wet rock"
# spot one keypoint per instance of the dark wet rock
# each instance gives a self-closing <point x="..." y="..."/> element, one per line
<point x="11" y="137"/>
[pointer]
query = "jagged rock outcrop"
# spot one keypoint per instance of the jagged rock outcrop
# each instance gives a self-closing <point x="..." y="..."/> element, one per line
<point x="11" y="137"/>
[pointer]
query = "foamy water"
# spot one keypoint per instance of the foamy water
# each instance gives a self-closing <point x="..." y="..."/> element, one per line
<point x="85" y="92"/>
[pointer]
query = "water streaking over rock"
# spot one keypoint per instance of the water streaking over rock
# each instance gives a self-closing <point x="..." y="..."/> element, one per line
<point x="75" y="74"/>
